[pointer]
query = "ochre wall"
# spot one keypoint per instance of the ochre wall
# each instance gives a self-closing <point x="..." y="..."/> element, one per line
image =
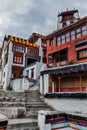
<point x="68" y="84"/>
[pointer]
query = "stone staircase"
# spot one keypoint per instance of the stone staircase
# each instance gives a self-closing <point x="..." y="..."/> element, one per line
<point x="34" y="102"/>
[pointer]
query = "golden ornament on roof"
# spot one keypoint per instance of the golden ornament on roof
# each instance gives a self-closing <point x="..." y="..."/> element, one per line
<point x="20" y="41"/>
<point x="16" y="40"/>
<point x="12" y="39"/>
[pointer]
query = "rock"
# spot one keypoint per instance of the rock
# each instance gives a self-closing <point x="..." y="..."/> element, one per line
<point x="21" y="112"/>
<point x="1" y="99"/>
<point x="13" y="99"/>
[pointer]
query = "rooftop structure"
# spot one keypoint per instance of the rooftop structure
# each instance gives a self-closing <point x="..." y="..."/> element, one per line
<point x="68" y="17"/>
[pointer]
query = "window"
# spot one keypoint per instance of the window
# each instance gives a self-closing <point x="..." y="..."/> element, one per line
<point x="63" y="38"/>
<point x="18" y="48"/>
<point x="32" y="51"/>
<point x="67" y="37"/>
<point x="32" y="73"/>
<point x="50" y="60"/>
<point x="51" y="42"/>
<point x="18" y="59"/>
<point x="78" y="32"/>
<point x="84" y="30"/>
<point x="73" y="32"/>
<point x="27" y="73"/>
<point x="78" y="35"/>
<point x="4" y="74"/>
<point x="58" y="40"/>
<point x="82" y="54"/>
<point x="73" y="35"/>
<point x="83" y="44"/>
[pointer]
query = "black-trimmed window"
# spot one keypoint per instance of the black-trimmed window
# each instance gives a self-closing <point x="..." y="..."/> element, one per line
<point x="67" y="36"/>
<point x="18" y="48"/>
<point x="84" y="30"/>
<point x="82" y="54"/>
<point x="32" y="73"/>
<point x="27" y="73"/>
<point x="63" y="38"/>
<point x="58" y="41"/>
<point x="78" y="32"/>
<point x="72" y="34"/>
<point x="51" y="42"/>
<point x="33" y="51"/>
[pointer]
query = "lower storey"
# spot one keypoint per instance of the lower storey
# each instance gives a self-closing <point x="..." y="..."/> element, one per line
<point x="65" y="83"/>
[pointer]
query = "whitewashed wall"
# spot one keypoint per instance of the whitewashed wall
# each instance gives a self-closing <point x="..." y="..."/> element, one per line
<point x="41" y="84"/>
<point x="41" y="120"/>
<point x="69" y="105"/>
<point x="19" y="85"/>
<point x="40" y="48"/>
<point x="7" y="69"/>
<point x="37" y="67"/>
<point x="45" y="78"/>
<point x="16" y="85"/>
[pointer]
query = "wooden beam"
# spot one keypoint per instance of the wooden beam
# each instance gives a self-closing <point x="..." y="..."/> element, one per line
<point x="80" y="83"/>
<point x="59" y="84"/>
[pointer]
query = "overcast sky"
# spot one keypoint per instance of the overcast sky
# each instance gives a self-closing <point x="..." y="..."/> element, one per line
<point x="23" y="17"/>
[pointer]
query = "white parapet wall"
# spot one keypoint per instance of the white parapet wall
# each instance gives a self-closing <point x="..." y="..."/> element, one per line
<point x="44" y="83"/>
<point x="70" y="105"/>
<point x="41" y="120"/>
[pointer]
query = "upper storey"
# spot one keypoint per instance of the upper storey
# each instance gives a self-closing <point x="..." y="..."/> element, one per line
<point x="21" y="50"/>
<point x="20" y="45"/>
<point x="68" y="43"/>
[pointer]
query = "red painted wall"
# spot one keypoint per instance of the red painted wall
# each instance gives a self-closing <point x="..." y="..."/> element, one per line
<point x="72" y="55"/>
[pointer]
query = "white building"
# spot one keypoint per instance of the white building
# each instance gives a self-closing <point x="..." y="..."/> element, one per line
<point x="21" y="62"/>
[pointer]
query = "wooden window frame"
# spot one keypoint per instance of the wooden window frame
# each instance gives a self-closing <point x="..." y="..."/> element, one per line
<point x="17" y="48"/>
<point x="82" y="54"/>
<point x="18" y="59"/>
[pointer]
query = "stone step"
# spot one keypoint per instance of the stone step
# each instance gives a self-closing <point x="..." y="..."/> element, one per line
<point x="31" y="97"/>
<point x="34" y="97"/>
<point x="32" y="115"/>
<point x="36" y="106"/>
<point x="37" y="109"/>
<point x="23" y="123"/>
<point x="35" y="103"/>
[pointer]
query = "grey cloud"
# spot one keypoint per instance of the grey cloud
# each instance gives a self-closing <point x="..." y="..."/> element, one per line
<point x="23" y="17"/>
